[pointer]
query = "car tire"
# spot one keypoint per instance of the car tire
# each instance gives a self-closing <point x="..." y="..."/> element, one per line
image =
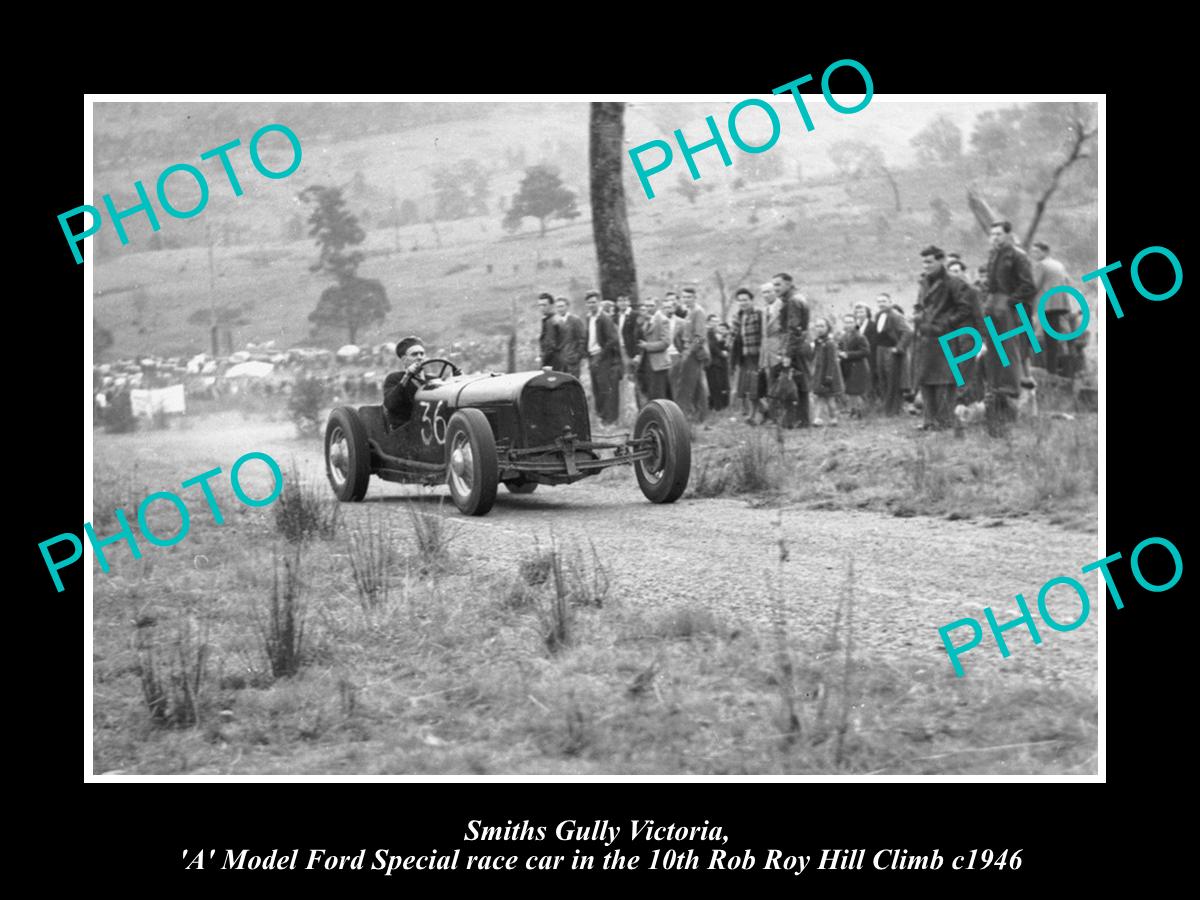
<point x="517" y="486"/>
<point x="472" y="467"/>
<point x="347" y="455"/>
<point x="664" y="477"/>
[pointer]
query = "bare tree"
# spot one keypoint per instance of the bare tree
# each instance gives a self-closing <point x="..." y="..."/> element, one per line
<point x="610" y="224"/>
<point x="1079" y="136"/>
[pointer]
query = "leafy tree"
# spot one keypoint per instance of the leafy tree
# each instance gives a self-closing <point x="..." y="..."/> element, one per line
<point x="450" y="198"/>
<point x="102" y="338"/>
<point x="542" y="196"/>
<point x="461" y="190"/>
<point x="994" y="137"/>
<point x="938" y="142"/>
<point x="409" y="214"/>
<point x="335" y="229"/>
<point x="477" y="179"/>
<point x="352" y="302"/>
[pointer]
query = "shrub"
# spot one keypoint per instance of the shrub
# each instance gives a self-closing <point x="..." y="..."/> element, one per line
<point x="755" y="465"/>
<point x="372" y="554"/>
<point x="281" y="625"/>
<point x="433" y="533"/>
<point x="305" y="405"/>
<point x="119" y="417"/>
<point x="173" y="689"/>
<point x="303" y="510"/>
<point x="686" y="623"/>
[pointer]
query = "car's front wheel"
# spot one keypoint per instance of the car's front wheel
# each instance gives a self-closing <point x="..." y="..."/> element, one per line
<point x="347" y="456"/>
<point x="472" y="469"/>
<point x="663" y="476"/>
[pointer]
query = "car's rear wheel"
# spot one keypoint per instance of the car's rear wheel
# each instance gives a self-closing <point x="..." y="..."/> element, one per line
<point x="472" y="468"/>
<point x="520" y="486"/>
<point x="347" y="456"/>
<point x="664" y="475"/>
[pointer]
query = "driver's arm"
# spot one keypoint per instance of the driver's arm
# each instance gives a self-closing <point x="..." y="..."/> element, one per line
<point x="398" y="391"/>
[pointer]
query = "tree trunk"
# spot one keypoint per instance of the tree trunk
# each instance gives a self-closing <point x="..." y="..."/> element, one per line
<point x="610" y="224"/>
<point x="542" y="228"/>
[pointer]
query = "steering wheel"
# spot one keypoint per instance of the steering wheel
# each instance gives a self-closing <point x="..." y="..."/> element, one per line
<point x="444" y="363"/>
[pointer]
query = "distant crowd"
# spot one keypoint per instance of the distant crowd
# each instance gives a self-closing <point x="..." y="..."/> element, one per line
<point x="773" y="360"/>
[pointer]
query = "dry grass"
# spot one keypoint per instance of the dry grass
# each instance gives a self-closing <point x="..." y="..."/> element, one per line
<point x="449" y="675"/>
<point x="175" y="678"/>
<point x="1047" y="466"/>
<point x="372" y="554"/>
<point x="433" y="534"/>
<point x="305" y="508"/>
<point x="281" y="623"/>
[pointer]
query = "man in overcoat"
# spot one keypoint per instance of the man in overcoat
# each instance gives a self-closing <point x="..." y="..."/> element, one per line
<point x="942" y="306"/>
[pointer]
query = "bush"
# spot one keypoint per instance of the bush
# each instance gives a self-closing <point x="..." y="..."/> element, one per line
<point x="305" y="405"/>
<point x="303" y="510"/>
<point x="281" y="624"/>
<point x="433" y="533"/>
<point x="756" y="465"/>
<point x="173" y="689"/>
<point x="119" y="417"/>
<point x="372" y="554"/>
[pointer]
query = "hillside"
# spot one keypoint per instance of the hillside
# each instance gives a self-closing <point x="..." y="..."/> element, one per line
<point x="458" y="279"/>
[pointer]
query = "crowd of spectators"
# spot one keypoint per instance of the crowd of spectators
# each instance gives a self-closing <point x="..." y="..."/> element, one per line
<point x="773" y="359"/>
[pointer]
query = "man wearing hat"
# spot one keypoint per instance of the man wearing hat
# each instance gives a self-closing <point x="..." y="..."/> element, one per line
<point x="942" y="306"/>
<point x="399" y="387"/>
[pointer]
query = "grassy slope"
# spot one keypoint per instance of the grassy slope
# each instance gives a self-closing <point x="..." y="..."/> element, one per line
<point x="842" y="245"/>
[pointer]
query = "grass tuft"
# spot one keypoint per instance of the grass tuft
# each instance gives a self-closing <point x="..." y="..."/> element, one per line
<point x="281" y="625"/>
<point x="173" y="688"/>
<point x="304" y="510"/>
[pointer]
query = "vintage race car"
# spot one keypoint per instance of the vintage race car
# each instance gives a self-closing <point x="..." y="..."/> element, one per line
<point x="475" y="432"/>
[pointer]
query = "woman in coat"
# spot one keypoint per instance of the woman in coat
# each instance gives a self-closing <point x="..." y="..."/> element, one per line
<point x="853" y="351"/>
<point x="827" y="383"/>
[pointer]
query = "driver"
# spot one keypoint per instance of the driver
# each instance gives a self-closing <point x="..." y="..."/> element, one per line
<point x="399" y="387"/>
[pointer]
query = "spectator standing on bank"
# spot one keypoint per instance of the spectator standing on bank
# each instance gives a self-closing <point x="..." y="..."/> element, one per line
<point x="797" y="349"/>
<point x="717" y="371"/>
<point x="574" y="337"/>
<point x="853" y="351"/>
<point x="942" y="306"/>
<point x="692" y="342"/>
<point x="604" y="359"/>
<point x="866" y="327"/>
<point x="746" y="352"/>
<point x="551" y="342"/>
<point x="827" y="385"/>
<point x="653" y="362"/>
<point x="1061" y="310"/>
<point x="1009" y="283"/>
<point x="970" y="369"/>
<point x="892" y="339"/>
